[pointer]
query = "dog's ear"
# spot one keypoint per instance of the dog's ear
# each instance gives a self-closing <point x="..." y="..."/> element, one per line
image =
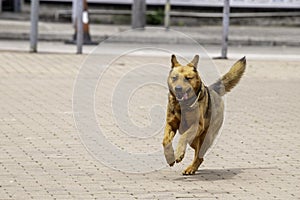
<point x="194" y="62"/>
<point x="174" y="61"/>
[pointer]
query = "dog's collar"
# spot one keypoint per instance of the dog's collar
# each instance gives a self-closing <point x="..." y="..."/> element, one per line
<point x="199" y="98"/>
<point x="193" y="104"/>
<point x="199" y="92"/>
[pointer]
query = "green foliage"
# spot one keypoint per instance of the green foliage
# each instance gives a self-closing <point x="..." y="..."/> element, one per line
<point x="155" y="18"/>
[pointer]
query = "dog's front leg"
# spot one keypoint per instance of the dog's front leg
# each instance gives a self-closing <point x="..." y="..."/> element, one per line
<point x="187" y="137"/>
<point x="167" y="143"/>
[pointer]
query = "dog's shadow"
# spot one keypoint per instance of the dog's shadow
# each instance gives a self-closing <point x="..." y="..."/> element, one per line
<point x="212" y="174"/>
<point x="217" y="174"/>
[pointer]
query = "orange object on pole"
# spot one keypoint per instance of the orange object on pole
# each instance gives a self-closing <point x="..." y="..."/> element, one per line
<point x="86" y="30"/>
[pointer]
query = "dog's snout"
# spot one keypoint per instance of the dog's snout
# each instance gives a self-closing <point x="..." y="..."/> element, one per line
<point x="178" y="88"/>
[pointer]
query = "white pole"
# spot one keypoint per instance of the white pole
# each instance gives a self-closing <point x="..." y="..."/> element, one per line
<point x="79" y="26"/>
<point x="34" y="18"/>
<point x="226" y="13"/>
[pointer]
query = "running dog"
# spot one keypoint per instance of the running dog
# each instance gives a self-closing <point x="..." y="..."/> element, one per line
<point x="195" y="110"/>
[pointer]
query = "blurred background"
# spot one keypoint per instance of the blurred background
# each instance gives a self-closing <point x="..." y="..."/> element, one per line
<point x="255" y="22"/>
<point x="183" y="13"/>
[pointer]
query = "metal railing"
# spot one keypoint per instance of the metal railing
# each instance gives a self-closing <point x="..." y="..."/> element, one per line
<point x="68" y="13"/>
<point x="137" y="12"/>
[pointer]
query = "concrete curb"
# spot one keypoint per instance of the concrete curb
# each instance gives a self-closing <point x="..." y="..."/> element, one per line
<point x="239" y="35"/>
<point x="147" y="39"/>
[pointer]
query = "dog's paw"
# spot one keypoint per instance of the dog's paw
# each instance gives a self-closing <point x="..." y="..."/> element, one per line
<point x="169" y="155"/>
<point x="171" y="164"/>
<point x="179" y="156"/>
<point x="170" y="160"/>
<point x="190" y="170"/>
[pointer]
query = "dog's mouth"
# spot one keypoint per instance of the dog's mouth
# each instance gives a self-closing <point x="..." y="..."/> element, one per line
<point x="182" y="96"/>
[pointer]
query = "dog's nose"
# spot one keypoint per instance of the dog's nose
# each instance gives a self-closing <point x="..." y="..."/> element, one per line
<point x="178" y="88"/>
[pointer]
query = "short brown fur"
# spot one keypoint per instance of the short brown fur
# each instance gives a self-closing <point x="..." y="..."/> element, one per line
<point x="195" y="110"/>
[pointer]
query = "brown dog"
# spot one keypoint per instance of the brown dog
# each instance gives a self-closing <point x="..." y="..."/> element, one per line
<point x="195" y="110"/>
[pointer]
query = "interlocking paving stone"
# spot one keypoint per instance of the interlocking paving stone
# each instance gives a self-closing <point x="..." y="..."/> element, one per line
<point x="42" y="157"/>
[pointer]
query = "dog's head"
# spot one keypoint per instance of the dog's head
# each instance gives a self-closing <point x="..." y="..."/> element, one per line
<point x="184" y="81"/>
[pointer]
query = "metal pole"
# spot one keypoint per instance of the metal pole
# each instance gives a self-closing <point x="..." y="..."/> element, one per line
<point x="79" y="26"/>
<point x="167" y="14"/>
<point x="74" y="12"/>
<point x="17" y="5"/>
<point x="138" y="16"/>
<point x="34" y="18"/>
<point x="226" y="13"/>
<point x="0" y="6"/>
<point x="22" y="5"/>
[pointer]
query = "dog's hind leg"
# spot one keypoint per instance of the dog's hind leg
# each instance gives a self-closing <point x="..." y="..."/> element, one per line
<point x="196" y="145"/>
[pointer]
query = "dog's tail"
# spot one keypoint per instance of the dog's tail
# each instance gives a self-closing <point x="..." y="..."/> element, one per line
<point x="231" y="78"/>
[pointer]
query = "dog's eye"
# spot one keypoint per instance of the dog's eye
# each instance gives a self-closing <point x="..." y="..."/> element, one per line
<point x="174" y="78"/>
<point x="188" y="78"/>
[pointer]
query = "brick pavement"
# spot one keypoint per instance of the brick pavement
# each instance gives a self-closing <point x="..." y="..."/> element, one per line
<point x="42" y="157"/>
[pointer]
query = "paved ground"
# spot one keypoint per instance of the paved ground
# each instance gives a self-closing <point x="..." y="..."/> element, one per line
<point x="42" y="157"/>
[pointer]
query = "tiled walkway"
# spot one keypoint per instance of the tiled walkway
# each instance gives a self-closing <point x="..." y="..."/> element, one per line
<point x="257" y="155"/>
